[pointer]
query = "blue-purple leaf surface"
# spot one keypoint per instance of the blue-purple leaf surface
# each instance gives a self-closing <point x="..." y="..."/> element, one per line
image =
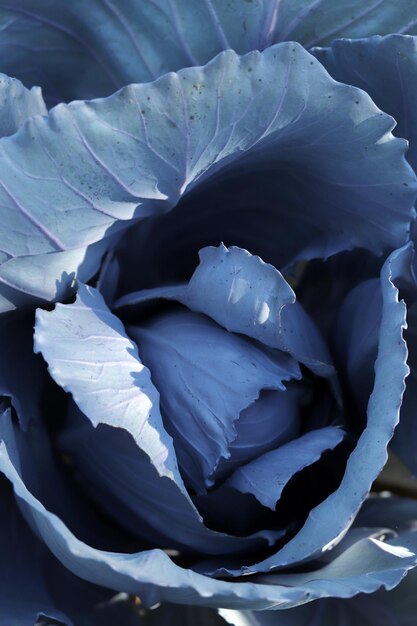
<point x="90" y="355"/>
<point x="206" y="377"/>
<point x="122" y="42"/>
<point x="82" y="174"/>
<point x="386" y="68"/>
<point x="266" y="476"/>
<point x="154" y="577"/>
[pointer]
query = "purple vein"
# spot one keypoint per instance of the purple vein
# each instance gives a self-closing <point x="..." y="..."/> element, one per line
<point x="269" y="25"/>
<point x="44" y="230"/>
<point x="217" y="120"/>
<point x="71" y="187"/>
<point x="101" y="163"/>
<point x="186" y="133"/>
<point x="333" y="32"/>
<point x="180" y="33"/>
<point x="217" y="26"/>
<point x="302" y="15"/>
<point x="114" y="78"/>
<point x="147" y="142"/>
<point x="408" y="27"/>
<point x="133" y="38"/>
<point x="280" y="103"/>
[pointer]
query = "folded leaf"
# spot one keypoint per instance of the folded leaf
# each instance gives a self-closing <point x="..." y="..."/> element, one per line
<point x="364" y="567"/>
<point x="206" y="377"/>
<point x="84" y="172"/>
<point x="126" y="485"/>
<point x="328" y="522"/>
<point x="247" y="296"/>
<point x="396" y="607"/>
<point x="90" y="355"/>
<point x="274" y="419"/>
<point x="266" y="476"/>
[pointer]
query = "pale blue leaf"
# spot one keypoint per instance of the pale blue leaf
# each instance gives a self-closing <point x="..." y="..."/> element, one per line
<point x="266" y="476"/>
<point x="90" y="355"/>
<point x="396" y="607"/>
<point x="31" y="279"/>
<point x="126" y="41"/>
<point x="351" y="569"/>
<point x="364" y="567"/>
<point x="84" y="172"/>
<point x="206" y="377"/>
<point x="126" y="485"/>
<point x="17" y="104"/>
<point x="329" y="521"/>
<point x="386" y="68"/>
<point x="35" y="278"/>
<point x="245" y="295"/>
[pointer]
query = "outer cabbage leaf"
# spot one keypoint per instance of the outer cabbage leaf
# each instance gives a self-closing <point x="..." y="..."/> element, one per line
<point x="127" y="41"/>
<point x="394" y="608"/>
<point x="126" y="485"/>
<point x="41" y="277"/>
<point x="35" y="587"/>
<point x="328" y="522"/>
<point x="363" y="567"/>
<point x="356" y="342"/>
<point x="386" y="68"/>
<point x="85" y="171"/>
